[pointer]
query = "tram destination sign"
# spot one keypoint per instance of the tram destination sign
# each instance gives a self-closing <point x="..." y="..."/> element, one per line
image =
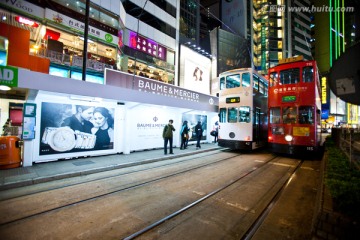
<point x="288" y="98"/>
<point x="233" y="100"/>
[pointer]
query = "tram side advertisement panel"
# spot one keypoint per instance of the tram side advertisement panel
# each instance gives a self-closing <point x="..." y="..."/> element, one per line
<point x="68" y="128"/>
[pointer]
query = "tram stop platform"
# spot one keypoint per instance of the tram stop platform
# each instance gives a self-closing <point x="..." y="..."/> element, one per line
<point x="61" y="169"/>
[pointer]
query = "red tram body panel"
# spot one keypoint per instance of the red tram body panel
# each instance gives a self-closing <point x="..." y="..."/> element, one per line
<point x="294" y="107"/>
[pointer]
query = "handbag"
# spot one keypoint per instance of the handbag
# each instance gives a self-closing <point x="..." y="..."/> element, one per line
<point x="213" y="133"/>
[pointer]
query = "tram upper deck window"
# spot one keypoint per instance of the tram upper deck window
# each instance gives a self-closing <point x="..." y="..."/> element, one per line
<point x="222" y="115"/>
<point x="306" y="115"/>
<point x="233" y="81"/>
<point x="222" y="83"/>
<point x="255" y="82"/>
<point x="273" y="79"/>
<point x="261" y="87"/>
<point x="244" y="114"/>
<point x="232" y="115"/>
<point x="290" y="76"/>
<point x="289" y="115"/>
<point x="246" y="79"/>
<point x="275" y="115"/>
<point x="307" y="74"/>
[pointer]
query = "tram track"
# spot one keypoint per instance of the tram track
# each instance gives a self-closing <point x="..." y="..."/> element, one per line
<point x="50" y="207"/>
<point x="252" y="229"/>
<point x="134" y="204"/>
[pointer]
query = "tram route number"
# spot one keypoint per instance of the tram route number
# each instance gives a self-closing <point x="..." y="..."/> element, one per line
<point x="309" y="148"/>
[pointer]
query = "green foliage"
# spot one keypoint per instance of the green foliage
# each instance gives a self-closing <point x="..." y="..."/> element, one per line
<point x="343" y="181"/>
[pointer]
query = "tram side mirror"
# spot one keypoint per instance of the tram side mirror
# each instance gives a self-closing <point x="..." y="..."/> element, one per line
<point x="318" y="111"/>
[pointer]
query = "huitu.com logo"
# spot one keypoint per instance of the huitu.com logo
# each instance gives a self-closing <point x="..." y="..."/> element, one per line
<point x="312" y="9"/>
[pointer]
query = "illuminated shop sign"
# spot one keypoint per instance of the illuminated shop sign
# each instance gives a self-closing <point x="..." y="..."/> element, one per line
<point x="147" y="46"/>
<point x="80" y="26"/>
<point x="323" y="91"/>
<point x="129" y="81"/>
<point x="26" y="21"/>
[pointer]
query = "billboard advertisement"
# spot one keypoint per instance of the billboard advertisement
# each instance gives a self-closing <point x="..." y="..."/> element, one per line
<point x="68" y="128"/>
<point x="147" y="124"/>
<point x="192" y="120"/>
<point x="195" y="71"/>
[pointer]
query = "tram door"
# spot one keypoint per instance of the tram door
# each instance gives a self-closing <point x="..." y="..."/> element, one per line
<point x="256" y="125"/>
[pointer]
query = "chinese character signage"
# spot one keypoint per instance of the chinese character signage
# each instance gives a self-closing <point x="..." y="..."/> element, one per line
<point x="147" y="46"/>
<point x="80" y="26"/>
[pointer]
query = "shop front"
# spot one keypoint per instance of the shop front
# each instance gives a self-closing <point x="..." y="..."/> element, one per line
<point x="126" y="114"/>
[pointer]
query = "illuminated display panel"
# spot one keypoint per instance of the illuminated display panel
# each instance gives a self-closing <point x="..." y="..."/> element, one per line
<point x="147" y="46"/>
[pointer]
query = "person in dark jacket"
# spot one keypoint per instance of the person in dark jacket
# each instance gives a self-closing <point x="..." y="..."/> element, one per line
<point x="198" y="131"/>
<point x="168" y="136"/>
<point x="184" y="133"/>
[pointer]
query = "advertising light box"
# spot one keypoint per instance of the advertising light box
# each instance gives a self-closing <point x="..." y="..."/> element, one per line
<point x="195" y="73"/>
<point x="68" y="128"/>
<point x="146" y="131"/>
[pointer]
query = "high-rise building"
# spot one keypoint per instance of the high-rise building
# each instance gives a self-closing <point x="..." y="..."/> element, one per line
<point x="335" y="30"/>
<point x="280" y="29"/>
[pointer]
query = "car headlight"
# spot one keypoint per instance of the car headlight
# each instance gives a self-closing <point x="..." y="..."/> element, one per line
<point x="288" y="138"/>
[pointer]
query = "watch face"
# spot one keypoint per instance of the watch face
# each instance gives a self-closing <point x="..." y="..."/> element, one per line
<point x="63" y="139"/>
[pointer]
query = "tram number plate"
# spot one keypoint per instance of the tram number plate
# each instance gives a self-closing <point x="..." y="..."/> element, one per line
<point x="309" y="148"/>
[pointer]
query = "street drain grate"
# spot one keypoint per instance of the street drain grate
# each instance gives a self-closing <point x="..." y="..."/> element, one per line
<point x="83" y="163"/>
<point x="14" y="172"/>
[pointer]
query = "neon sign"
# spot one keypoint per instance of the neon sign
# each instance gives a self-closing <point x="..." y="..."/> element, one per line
<point x="147" y="46"/>
<point x="323" y="90"/>
<point x="26" y="21"/>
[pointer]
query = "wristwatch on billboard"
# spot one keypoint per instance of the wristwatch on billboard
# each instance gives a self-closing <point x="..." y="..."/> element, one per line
<point x="64" y="139"/>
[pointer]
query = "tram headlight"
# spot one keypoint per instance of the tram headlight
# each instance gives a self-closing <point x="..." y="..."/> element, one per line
<point x="288" y="138"/>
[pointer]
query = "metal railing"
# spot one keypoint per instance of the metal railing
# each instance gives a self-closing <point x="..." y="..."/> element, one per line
<point x="72" y="60"/>
<point x="350" y="145"/>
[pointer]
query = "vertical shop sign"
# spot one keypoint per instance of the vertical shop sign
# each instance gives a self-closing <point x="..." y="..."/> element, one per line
<point x="263" y="45"/>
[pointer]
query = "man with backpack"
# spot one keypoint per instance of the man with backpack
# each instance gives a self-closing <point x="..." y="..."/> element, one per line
<point x="168" y="136"/>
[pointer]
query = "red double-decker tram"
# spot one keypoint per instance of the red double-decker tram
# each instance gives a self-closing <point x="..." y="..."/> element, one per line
<point x="294" y="107"/>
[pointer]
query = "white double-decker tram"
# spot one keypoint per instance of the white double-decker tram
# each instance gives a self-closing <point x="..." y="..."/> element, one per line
<point x="243" y="101"/>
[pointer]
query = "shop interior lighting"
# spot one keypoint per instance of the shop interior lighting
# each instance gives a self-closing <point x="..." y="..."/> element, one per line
<point x="5" y="88"/>
<point x="89" y="40"/>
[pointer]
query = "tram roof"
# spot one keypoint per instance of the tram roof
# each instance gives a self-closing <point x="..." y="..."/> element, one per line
<point x="242" y="70"/>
